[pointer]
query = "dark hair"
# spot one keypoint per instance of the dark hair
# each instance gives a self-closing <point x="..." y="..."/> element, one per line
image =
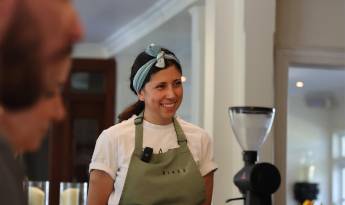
<point x="137" y="107"/>
<point x="20" y="69"/>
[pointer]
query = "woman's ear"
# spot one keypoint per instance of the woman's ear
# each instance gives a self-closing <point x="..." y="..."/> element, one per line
<point x="141" y="95"/>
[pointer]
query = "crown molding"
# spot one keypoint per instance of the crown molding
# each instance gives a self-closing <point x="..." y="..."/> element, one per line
<point x="331" y="56"/>
<point x="155" y="16"/>
<point x="90" y="50"/>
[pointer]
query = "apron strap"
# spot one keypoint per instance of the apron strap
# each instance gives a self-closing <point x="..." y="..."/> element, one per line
<point x="181" y="138"/>
<point x="139" y="134"/>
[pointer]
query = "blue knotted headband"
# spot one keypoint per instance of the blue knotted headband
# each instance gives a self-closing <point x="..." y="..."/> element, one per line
<point x="159" y="61"/>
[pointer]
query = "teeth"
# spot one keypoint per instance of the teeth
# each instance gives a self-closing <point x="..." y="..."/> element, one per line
<point x="169" y="105"/>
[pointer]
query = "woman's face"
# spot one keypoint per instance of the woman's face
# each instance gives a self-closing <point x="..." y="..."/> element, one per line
<point x="162" y="95"/>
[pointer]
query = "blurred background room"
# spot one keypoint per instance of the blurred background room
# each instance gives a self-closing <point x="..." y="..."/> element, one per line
<point x="273" y="53"/>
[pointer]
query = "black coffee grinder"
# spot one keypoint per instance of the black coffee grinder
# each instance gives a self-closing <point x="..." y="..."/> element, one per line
<point x="256" y="181"/>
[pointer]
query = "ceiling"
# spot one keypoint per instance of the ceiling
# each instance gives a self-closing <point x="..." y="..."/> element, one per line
<point x="319" y="82"/>
<point x="102" y="18"/>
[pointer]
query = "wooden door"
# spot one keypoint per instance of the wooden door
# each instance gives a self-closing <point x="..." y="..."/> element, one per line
<point x="89" y="99"/>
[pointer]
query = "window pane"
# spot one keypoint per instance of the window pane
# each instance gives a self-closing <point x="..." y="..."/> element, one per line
<point x="342" y="146"/>
<point x="87" y="82"/>
<point x="343" y="183"/>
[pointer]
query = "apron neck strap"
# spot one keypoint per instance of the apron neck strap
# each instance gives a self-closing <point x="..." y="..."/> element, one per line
<point x="181" y="138"/>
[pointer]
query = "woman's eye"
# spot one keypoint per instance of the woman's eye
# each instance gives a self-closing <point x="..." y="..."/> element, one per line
<point x="160" y="86"/>
<point x="177" y="83"/>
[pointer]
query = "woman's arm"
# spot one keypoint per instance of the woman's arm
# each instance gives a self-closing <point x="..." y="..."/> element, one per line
<point x="100" y="188"/>
<point x="209" y="187"/>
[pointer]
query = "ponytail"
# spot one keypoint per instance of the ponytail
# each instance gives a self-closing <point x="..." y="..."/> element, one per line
<point x="134" y="109"/>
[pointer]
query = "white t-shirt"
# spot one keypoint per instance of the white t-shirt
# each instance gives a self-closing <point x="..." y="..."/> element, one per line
<point x="115" y="146"/>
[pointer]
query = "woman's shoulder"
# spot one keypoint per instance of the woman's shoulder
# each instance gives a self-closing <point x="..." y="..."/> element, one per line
<point x="121" y="128"/>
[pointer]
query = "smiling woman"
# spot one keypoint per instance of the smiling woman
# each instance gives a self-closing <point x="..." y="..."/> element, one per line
<point x="182" y="153"/>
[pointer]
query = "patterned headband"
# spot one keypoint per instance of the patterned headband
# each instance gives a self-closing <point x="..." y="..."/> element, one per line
<point x="159" y="61"/>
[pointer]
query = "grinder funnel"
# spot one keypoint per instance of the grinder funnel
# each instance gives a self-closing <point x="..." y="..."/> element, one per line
<point x="251" y="125"/>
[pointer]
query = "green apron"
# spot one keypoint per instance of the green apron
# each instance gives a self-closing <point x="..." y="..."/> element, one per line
<point x="170" y="178"/>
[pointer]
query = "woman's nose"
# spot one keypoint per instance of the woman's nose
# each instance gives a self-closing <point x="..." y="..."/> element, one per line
<point x="171" y="92"/>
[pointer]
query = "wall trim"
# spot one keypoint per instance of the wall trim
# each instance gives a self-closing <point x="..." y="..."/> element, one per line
<point x="155" y="16"/>
<point x="333" y="56"/>
<point x="90" y="50"/>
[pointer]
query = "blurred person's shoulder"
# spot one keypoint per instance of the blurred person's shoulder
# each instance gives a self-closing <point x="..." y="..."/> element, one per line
<point x="12" y="175"/>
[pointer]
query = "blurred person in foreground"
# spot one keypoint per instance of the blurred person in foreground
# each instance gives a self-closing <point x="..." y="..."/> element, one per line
<point x="36" y="39"/>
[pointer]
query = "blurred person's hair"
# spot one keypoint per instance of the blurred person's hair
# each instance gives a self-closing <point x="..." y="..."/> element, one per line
<point x="20" y="67"/>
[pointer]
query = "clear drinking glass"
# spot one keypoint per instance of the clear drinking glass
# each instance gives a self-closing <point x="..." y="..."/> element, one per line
<point x="38" y="192"/>
<point x="73" y="193"/>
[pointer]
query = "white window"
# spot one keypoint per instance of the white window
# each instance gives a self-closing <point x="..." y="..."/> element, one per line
<point x="338" y="176"/>
<point x="343" y="186"/>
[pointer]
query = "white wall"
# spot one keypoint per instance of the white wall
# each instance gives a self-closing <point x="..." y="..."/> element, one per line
<point x="338" y="113"/>
<point x="124" y="96"/>
<point x="309" y="129"/>
<point x="90" y="50"/>
<point x="311" y="24"/>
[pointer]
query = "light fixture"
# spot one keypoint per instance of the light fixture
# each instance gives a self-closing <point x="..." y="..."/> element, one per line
<point x="300" y="84"/>
<point x="183" y="79"/>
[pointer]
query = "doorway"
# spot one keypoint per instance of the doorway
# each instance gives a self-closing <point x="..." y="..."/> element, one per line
<point x="307" y="60"/>
<point x="316" y="113"/>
